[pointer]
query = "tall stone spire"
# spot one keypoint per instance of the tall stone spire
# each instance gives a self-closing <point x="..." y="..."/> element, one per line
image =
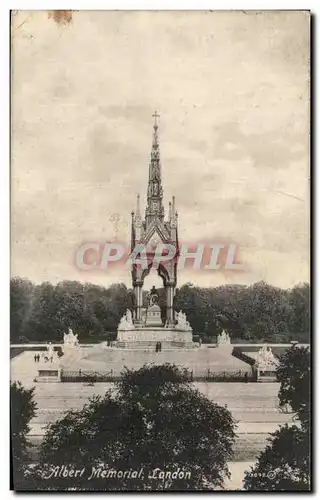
<point x="138" y="220"/>
<point x="170" y="212"/>
<point x="138" y="215"/>
<point x="154" y="209"/>
<point x="154" y="230"/>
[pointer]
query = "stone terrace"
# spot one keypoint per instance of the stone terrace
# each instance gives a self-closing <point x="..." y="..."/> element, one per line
<point x="198" y="360"/>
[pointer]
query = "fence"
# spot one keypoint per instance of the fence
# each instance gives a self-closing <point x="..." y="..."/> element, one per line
<point x="81" y="376"/>
<point x="188" y="375"/>
<point x="237" y="376"/>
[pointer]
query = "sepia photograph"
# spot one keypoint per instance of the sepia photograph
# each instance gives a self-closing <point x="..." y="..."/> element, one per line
<point x="160" y="311"/>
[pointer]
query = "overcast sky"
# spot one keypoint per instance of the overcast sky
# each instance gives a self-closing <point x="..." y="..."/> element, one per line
<point x="232" y="92"/>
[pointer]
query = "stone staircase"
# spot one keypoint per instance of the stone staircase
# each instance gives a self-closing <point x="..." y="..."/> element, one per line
<point x="47" y="379"/>
<point x="148" y="345"/>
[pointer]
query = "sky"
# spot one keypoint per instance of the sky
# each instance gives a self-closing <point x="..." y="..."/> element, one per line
<point x="232" y="91"/>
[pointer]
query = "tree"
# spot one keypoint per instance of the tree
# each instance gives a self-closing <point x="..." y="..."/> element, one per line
<point x="293" y="373"/>
<point x="44" y="323"/>
<point x="300" y="318"/>
<point x="285" y="463"/>
<point x="194" y="302"/>
<point x="265" y="312"/>
<point x="21" y="301"/>
<point x="155" y="421"/>
<point x="23" y="409"/>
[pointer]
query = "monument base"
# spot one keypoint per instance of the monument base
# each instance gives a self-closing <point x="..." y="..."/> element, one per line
<point x="148" y="337"/>
<point x="268" y="375"/>
<point x="152" y="317"/>
<point x="49" y="374"/>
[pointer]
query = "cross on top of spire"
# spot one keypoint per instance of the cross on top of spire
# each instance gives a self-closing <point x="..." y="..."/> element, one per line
<point x="155" y="116"/>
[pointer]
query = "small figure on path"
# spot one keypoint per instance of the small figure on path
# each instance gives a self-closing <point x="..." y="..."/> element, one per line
<point x="35" y="358"/>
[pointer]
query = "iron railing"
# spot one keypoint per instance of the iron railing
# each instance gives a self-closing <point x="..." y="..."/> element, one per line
<point x="188" y="375"/>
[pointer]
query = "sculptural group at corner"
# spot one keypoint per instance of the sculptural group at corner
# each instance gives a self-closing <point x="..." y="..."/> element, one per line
<point x="223" y="339"/>
<point x="183" y="323"/>
<point x="265" y="359"/>
<point x="70" y="338"/>
<point x="50" y="353"/>
<point x="126" y="322"/>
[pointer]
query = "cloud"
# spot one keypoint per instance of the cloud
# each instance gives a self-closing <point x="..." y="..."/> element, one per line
<point x="232" y="92"/>
<point x="274" y="149"/>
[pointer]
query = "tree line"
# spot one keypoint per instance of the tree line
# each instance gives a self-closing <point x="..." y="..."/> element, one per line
<point x="259" y="312"/>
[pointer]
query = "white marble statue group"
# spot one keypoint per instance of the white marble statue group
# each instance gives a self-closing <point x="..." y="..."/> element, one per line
<point x="126" y="322"/>
<point x="183" y="323"/>
<point x="223" y="339"/>
<point x="266" y="360"/>
<point x="50" y="355"/>
<point x="70" y="339"/>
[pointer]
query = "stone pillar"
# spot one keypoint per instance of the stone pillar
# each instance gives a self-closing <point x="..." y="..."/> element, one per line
<point x="170" y="294"/>
<point x="136" y="302"/>
<point x="138" y="296"/>
<point x="140" y="302"/>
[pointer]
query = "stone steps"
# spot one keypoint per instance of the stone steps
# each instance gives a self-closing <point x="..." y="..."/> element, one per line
<point x="198" y="359"/>
<point x="250" y="407"/>
<point x="47" y="379"/>
<point x="149" y="345"/>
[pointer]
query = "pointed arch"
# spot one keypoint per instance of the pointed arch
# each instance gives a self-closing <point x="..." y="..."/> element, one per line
<point x="162" y="272"/>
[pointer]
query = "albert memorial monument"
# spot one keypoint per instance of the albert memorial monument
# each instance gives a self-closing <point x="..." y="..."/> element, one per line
<point x="145" y="326"/>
